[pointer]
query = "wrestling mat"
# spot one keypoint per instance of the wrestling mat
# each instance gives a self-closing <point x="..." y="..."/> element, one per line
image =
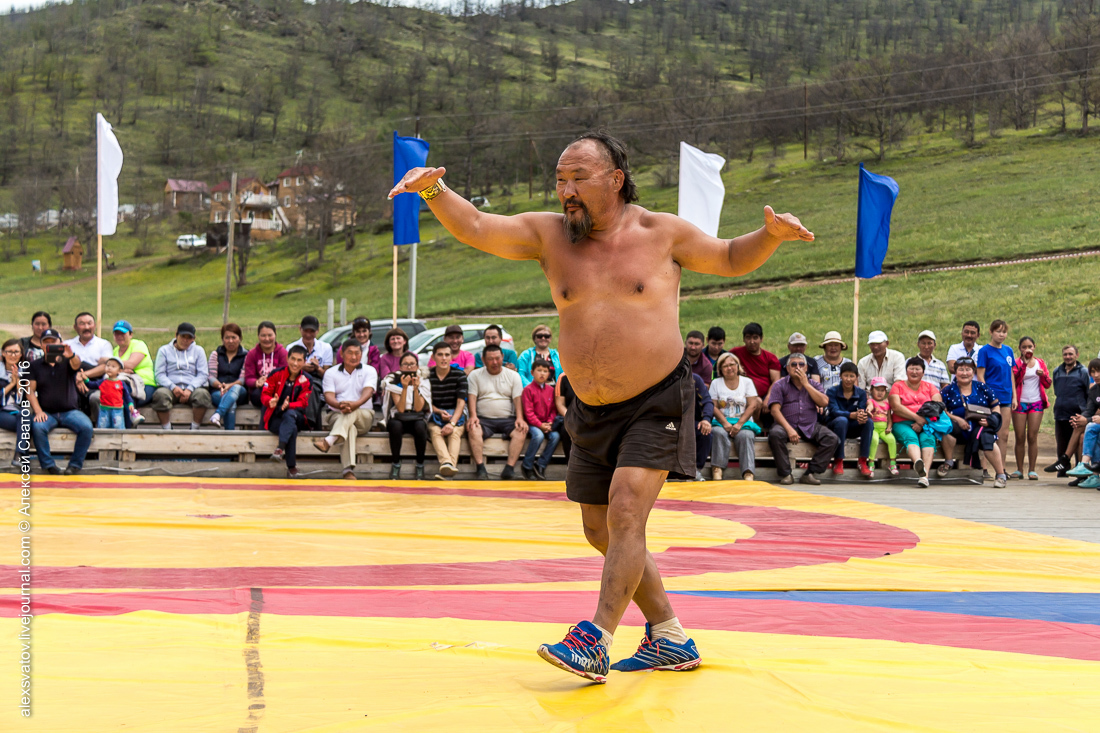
<point x="196" y="605"/>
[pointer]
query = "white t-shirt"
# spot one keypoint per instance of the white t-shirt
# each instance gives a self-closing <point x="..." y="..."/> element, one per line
<point x="321" y="350"/>
<point x="1030" y="391"/>
<point x="348" y="386"/>
<point x="958" y="351"/>
<point x="93" y="351"/>
<point x="495" y="392"/>
<point x="732" y="402"/>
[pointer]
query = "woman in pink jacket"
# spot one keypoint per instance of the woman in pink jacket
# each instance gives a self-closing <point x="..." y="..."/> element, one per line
<point x="1032" y="379"/>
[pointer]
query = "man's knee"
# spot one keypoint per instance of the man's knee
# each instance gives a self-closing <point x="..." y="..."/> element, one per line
<point x="162" y="400"/>
<point x="596" y="534"/>
<point x="201" y="398"/>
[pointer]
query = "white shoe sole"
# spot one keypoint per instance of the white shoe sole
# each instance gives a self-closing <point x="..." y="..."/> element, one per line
<point x="681" y="667"/>
<point x="544" y="652"/>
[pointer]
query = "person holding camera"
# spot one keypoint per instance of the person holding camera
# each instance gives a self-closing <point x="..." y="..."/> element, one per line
<point x="972" y="407"/>
<point x="55" y="403"/>
<point x="348" y="391"/>
<point x="406" y="402"/>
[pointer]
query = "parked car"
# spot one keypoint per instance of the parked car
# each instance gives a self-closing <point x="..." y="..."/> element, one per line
<point x="473" y="335"/>
<point x="379" y="327"/>
<point x="191" y="241"/>
<point x="481" y="202"/>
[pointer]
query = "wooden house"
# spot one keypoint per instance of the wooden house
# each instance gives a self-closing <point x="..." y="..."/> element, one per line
<point x="73" y="255"/>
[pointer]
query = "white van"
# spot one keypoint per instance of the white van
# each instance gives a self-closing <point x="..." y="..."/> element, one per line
<point x="191" y="241"/>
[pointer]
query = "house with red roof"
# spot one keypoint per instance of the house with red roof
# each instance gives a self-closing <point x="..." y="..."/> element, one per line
<point x="184" y="195"/>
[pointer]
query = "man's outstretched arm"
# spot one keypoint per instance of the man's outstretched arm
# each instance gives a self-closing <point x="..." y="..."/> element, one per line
<point x="511" y="237"/>
<point x="701" y="252"/>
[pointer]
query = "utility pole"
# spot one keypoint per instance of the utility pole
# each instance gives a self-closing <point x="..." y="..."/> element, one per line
<point x="229" y="247"/>
<point x="530" y="167"/>
<point x="805" y="120"/>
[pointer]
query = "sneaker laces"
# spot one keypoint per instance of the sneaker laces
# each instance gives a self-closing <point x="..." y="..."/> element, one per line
<point x="648" y="642"/>
<point x="576" y="639"/>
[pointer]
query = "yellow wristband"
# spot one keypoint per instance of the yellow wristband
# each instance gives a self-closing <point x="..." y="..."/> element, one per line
<point x="434" y="190"/>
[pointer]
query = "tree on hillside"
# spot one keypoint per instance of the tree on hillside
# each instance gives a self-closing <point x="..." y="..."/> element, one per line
<point x="30" y="199"/>
<point x="1081" y="56"/>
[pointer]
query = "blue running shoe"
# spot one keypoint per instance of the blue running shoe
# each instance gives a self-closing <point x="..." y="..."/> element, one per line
<point x="660" y="654"/>
<point x="1080" y="471"/>
<point x="580" y="653"/>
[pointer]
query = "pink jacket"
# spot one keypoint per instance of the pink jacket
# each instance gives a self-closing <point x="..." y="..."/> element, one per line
<point x="1044" y="380"/>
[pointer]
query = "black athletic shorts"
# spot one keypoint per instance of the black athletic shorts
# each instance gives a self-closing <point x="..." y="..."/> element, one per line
<point x="653" y="430"/>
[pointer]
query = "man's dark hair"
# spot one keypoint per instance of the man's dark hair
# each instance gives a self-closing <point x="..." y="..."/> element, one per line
<point x="78" y="316"/>
<point x="975" y="324"/>
<point x="350" y="343"/>
<point x="753" y="329"/>
<point x="439" y="346"/>
<point x="490" y="348"/>
<point x="494" y="327"/>
<point x="1094" y="365"/>
<point x="542" y="363"/>
<point x="849" y="367"/>
<point x="616" y="155"/>
<point x="695" y="335"/>
<point x="266" y="324"/>
<point x="297" y="349"/>
<point x="42" y="314"/>
<point x="716" y="333"/>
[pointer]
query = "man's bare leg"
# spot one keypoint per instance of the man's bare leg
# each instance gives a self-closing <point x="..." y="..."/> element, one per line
<point x="515" y="446"/>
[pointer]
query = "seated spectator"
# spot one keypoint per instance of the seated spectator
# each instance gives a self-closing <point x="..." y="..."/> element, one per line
<point x="906" y="398"/>
<point x="494" y="336"/>
<point x="1071" y="390"/>
<point x="1087" y="472"/>
<point x="794" y="401"/>
<point x="225" y="369"/>
<point x="978" y="435"/>
<point x="995" y="362"/>
<point x="53" y="398"/>
<point x="12" y="369"/>
<point x="93" y="352"/>
<point x="464" y="360"/>
<point x="967" y="347"/>
<point x="1031" y="378"/>
<point x="700" y="364"/>
<point x="137" y="365"/>
<point x="406" y="403"/>
<point x="32" y="345"/>
<point x="830" y="362"/>
<point x="447" y="422"/>
<point x="881" y="362"/>
<point x="115" y="398"/>
<point x="397" y="345"/>
<point x="361" y="332"/>
<point x="496" y="408"/>
<point x="542" y="336"/>
<point x="848" y="418"/>
<point x="285" y="396"/>
<point x="735" y="401"/>
<point x="935" y="371"/>
<point x="716" y="346"/>
<point x="541" y="414"/>
<point x="348" y="391"/>
<point x="262" y="361"/>
<point x="182" y="374"/>
<point x="564" y="397"/>
<point x="318" y="353"/>
<point x="878" y="404"/>
<point x="759" y="365"/>
<point x="796" y="344"/>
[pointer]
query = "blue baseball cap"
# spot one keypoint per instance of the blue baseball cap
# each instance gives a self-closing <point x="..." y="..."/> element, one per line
<point x="123" y="326"/>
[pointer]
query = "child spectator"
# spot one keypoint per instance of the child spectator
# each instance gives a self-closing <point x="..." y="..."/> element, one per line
<point x="1030" y="378"/>
<point x="541" y="413"/>
<point x="847" y="417"/>
<point x="879" y="407"/>
<point x="114" y="396"/>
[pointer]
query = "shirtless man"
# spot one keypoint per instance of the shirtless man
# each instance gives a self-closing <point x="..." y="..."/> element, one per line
<point x="612" y="266"/>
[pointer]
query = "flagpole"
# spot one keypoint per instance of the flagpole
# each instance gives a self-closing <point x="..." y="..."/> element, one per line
<point x="394" y="286"/>
<point x="99" y="286"/>
<point x="855" y="326"/>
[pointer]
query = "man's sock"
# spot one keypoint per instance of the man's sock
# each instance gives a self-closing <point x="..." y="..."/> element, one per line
<point x="671" y="630"/>
<point x="330" y="439"/>
<point x="166" y="426"/>
<point x="605" y="636"/>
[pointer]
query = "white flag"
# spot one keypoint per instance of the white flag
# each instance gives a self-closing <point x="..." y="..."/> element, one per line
<point x="701" y="188"/>
<point x="108" y="166"/>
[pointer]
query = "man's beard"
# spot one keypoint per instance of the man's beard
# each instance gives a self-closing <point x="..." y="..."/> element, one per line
<point x="577" y="229"/>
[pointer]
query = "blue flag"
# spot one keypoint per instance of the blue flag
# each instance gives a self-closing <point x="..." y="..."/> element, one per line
<point x="408" y="153"/>
<point x="876" y="201"/>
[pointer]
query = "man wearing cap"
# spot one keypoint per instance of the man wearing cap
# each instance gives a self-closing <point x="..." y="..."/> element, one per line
<point x="464" y="360"/>
<point x="881" y="362"/>
<point x="829" y="363"/>
<point x="54" y="401"/>
<point x="794" y="401"/>
<point x="93" y="352"/>
<point x="318" y="353"/>
<point x="700" y="364"/>
<point x="796" y="344"/>
<point x="182" y="374"/>
<point x="935" y="371"/>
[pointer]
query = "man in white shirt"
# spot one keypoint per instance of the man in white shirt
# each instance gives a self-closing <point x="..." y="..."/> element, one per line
<point x="935" y="371"/>
<point x="495" y="405"/>
<point x="348" y="391"/>
<point x="967" y="347"/>
<point x="93" y="352"/>
<point x="318" y="353"/>
<point x="881" y="362"/>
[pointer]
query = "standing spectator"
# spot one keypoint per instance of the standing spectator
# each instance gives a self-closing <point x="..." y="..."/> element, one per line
<point x="137" y="364"/>
<point x="979" y="435"/>
<point x="699" y="362"/>
<point x="361" y="332"/>
<point x="564" y="397"/>
<point x="542" y="336"/>
<point x="967" y="347"/>
<point x="406" y="402"/>
<point x="829" y="363"/>
<point x="318" y="353"/>
<point x="906" y="398"/>
<point x="881" y="362"/>
<point x="1087" y="472"/>
<point x="794" y="402"/>
<point x="454" y="338"/>
<point x="447" y="422"/>
<point x="541" y="414"/>
<point x="93" y="352"/>
<point x="496" y="407"/>
<point x="32" y="345"/>
<point x="735" y="401"/>
<point x="935" y="371"/>
<point x="182" y="374"/>
<point x="397" y="345"/>
<point x="758" y="364"/>
<point x="995" y="363"/>
<point x="262" y="360"/>
<point x="348" y="391"/>
<point x="878" y="403"/>
<point x="53" y="398"/>
<point x="716" y="346"/>
<point x="1030" y="381"/>
<point x="848" y="417"/>
<point x="796" y="344"/>
<point x="494" y="336"/>
<point x="285" y="396"/>
<point x="225" y="369"/>
<point x="1071" y="389"/>
<point x="12" y="369"/>
<point x="114" y="396"/>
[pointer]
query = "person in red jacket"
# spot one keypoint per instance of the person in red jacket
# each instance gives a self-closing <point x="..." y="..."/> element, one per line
<point x="1032" y="380"/>
<point x="540" y="411"/>
<point x="285" y="398"/>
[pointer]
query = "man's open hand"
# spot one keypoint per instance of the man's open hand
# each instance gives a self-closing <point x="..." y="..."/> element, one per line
<point x="419" y="179"/>
<point x="784" y="227"/>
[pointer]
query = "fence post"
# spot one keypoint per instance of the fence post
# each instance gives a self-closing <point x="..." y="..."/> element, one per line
<point x="330" y="309"/>
<point x="343" y="311"/>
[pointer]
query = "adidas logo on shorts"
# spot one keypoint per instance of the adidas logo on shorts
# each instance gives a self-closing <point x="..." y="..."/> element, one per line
<point x="671" y="426"/>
